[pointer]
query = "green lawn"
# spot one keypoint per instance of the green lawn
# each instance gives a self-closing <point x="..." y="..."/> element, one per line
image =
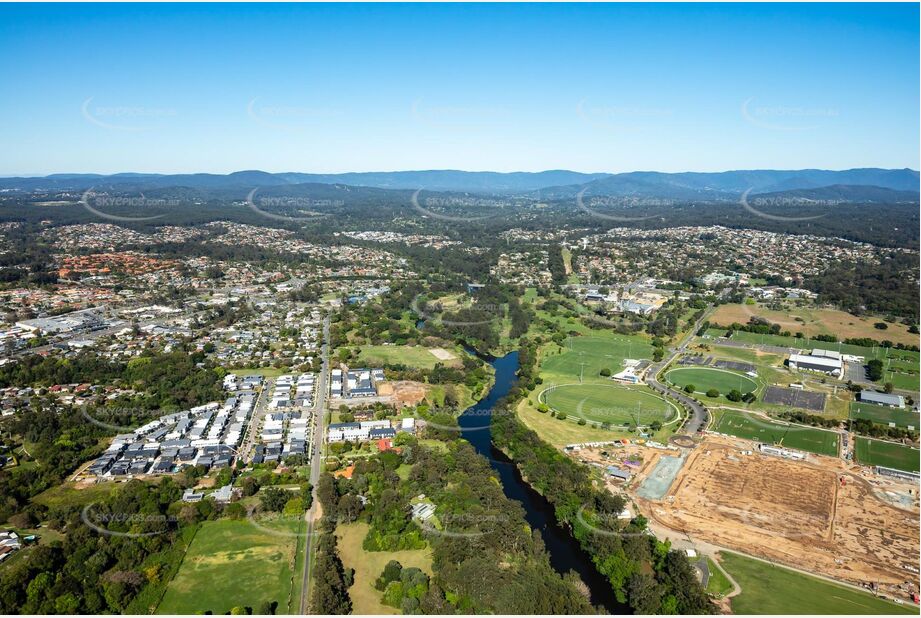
<point x="609" y="403"/>
<point x="411" y="356"/>
<point x="888" y="454"/>
<point x="752" y="427"/>
<point x="704" y="378"/>
<point x="768" y="589"/>
<point x="884" y="414"/>
<point x="235" y="563"/>
<point x="718" y="585"/>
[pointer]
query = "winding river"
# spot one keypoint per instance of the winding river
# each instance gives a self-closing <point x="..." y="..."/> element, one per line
<point x="564" y="551"/>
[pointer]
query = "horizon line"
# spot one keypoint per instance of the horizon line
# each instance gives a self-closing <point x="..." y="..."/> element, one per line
<point x="463" y="171"/>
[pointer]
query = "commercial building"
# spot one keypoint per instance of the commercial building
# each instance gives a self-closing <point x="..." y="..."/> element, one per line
<point x="882" y="399"/>
<point x="776" y="451"/>
<point x="823" y="361"/>
<point x="902" y="475"/>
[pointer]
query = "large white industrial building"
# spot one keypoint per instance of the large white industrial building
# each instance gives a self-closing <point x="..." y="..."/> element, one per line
<point x="824" y="361"/>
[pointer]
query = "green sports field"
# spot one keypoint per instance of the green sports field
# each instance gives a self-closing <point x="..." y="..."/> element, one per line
<point x="704" y="378"/>
<point x="809" y="344"/>
<point x="769" y="589"/>
<point x="752" y="427"/>
<point x="902" y="380"/>
<point x="615" y="404"/>
<point x="234" y="563"/>
<point x="888" y="454"/>
<point x="884" y="415"/>
<point x="587" y="356"/>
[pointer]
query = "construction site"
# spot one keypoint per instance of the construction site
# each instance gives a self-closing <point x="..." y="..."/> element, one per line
<point x="817" y="514"/>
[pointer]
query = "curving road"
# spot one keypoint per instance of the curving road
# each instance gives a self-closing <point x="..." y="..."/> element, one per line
<point x="699" y="417"/>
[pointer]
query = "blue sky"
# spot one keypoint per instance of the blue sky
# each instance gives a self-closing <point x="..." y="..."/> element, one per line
<point x="330" y="88"/>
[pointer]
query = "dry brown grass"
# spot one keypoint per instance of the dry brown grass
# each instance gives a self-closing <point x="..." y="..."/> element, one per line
<point x="816" y="322"/>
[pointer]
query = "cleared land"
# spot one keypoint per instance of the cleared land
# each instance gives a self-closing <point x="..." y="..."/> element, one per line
<point x="442" y="354"/>
<point x="368" y="565"/>
<point x="888" y="454"/>
<point x="703" y="379"/>
<point x="234" y="563"/>
<point x="411" y="356"/>
<point x="75" y="494"/>
<point x="793" y="512"/>
<point x="754" y="427"/>
<point x="814" y="322"/>
<point x="608" y="403"/>
<point x="884" y="415"/>
<point x="801" y="594"/>
<point x="268" y="372"/>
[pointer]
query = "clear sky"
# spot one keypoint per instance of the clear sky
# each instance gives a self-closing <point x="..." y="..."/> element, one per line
<point x="331" y="88"/>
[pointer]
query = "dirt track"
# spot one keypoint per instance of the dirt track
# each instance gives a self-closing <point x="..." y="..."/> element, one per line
<point x="797" y="513"/>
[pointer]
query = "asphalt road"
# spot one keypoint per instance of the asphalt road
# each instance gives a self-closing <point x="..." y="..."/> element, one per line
<point x="316" y="461"/>
<point x="699" y="415"/>
<point x="255" y="421"/>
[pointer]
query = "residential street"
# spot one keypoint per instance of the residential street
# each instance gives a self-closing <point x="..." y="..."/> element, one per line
<point x="316" y="462"/>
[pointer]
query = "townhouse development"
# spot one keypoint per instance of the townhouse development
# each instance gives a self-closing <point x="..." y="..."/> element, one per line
<point x="206" y="436"/>
<point x="353" y="383"/>
<point x="365" y="431"/>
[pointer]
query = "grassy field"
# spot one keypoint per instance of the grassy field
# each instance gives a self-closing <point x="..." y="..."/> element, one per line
<point x="884" y="415"/>
<point x="704" y="378"/>
<point x="812" y="322"/>
<point x="809" y="344"/>
<point x="268" y="372"/>
<point x="560" y="432"/>
<point x="718" y="585"/>
<point x="752" y="427"/>
<point x="588" y="355"/>
<point x="368" y="566"/>
<point x="71" y="494"/>
<point x="768" y="589"/>
<point x="609" y="403"/>
<point x="902" y="380"/>
<point x="411" y="356"/>
<point x="234" y="563"/>
<point x="888" y="454"/>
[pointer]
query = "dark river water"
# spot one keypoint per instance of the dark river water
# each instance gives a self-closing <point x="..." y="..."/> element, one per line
<point x="565" y="553"/>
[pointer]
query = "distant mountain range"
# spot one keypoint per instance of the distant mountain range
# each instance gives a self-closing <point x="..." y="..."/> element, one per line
<point x="856" y="185"/>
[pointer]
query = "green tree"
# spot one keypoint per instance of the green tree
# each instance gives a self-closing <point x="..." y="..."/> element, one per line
<point x="274" y="499"/>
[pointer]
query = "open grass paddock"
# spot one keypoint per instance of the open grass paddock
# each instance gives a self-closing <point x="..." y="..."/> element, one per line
<point x="234" y="563"/>
<point x="368" y="565"/>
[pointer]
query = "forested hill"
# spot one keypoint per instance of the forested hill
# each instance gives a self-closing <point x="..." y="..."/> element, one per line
<point x="553" y="183"/>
